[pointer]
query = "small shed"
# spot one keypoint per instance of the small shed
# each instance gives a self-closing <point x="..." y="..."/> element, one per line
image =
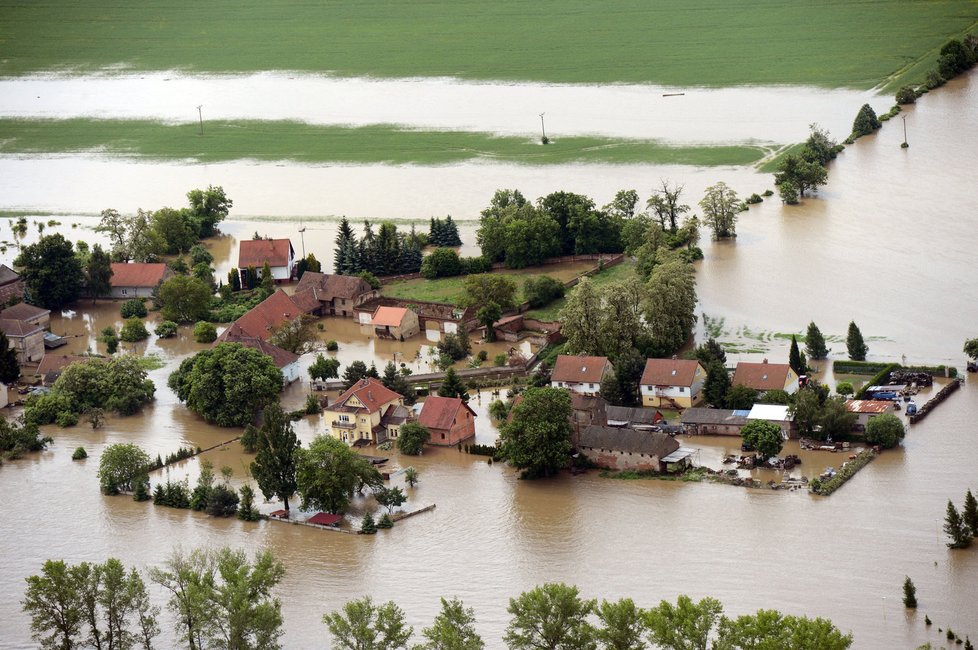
<point x="395" y="322"/>
<point x="325" y="519"/>
<point x="679" y="460"/>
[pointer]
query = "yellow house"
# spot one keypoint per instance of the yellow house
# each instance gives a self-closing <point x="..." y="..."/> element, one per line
<point x="671" y="383"/>
<point x="367" y="413"/>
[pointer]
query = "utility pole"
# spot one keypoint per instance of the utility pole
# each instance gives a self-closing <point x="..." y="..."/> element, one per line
<point x="905" y="144"/>
<point x="200" y="115"/>
<point x="543" y="129"/>
<point x="302" y="233"/>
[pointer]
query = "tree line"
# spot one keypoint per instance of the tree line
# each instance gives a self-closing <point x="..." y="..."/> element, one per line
<point x="221" y="599"/>
<point x="386" y="252"/>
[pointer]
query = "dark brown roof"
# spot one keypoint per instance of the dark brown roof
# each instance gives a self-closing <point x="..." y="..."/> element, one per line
<point x="669" y="372"/>
<point x="306" y="300"/>
<point x="255" y="252"/>
<point x="588" y="370"/>
<point x="329" y="287"/>
<point x="8" y="275"/>
<point x="371" y="393"/>
<point x="269" y="314"/>
<point x="280" y="357"/>
<point x="138" y="275"/>
<point x="713" y="416"/>
<point x="439" y="412"/>
<point x="18" y="328"/>
<point x="57" y="362"/>
<point x="651" y="443"/>
<point x="23" y="311"/>
<point x="762" y="376"/>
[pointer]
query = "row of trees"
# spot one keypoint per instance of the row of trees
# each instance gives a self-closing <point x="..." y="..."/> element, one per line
<point x="806" y="170"/>
<point x="219" y="599"/>
<point x="554" y="616"/>
<point x="443" y="233"/>
<point x="386" y="252"/>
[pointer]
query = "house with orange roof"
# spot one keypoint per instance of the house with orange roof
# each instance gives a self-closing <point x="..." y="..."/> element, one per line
<point x="253" y="253"/>
<point x="284" y="360"/>
<point x="137" y="280"/>
<point x="671" y="383"/>
<point x="580" y="374"/>
<point x="448" y="419"/>
<point x="267" y="316"/>
<point x="366" y="413"/>
<point x="395" y="322"/>
<point x="765" y="376"/>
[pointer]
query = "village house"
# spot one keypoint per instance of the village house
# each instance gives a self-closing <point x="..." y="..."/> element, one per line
<point x="867" y="409"/>
<point x="253" y="253"/>
<point x="26" y="339"/>
<point x="263" y="319"/>
<point x="134" y="280"/>
<point x="284" y="360"/>
<point x="448" y="419"/>
<point x="671" y="383"/>
<point x="580" y="374"/>
<point x="766" y="376"/>
<point x="397" y="323"/>
<point x="366" y="413"/>
<point x="28" y="314"/>
<point x="11" y="286"/>
<point x="621" y="449"/>
<point x="335" y="295"/>
<point x="52" y="365"/>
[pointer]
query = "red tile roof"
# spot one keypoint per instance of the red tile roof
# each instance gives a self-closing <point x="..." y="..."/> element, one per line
<point x="324" y="519"/>
<point x="23" y="311"/>
<point x="280" y="357"/>
<point x="439" y="412"/>
<point x="669" y="372"/>
<point x="371" y="393"/>
<point x="762" y="376"/>
<point x="388" y="316"/>
<point x="587" y="370"/>
<point x="263" y="319"/>
<point x="306" y="300"/>
<point x="138" y="275"/>
<point x="255" y="252"/>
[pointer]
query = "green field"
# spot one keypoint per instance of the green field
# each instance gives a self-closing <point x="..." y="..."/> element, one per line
<point x="306" y="143"/>
<point x="616" y="273"/>
<point x="673" y="42"/>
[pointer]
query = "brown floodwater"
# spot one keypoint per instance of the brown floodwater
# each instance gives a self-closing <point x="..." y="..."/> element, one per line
<point x="888" y="243"/>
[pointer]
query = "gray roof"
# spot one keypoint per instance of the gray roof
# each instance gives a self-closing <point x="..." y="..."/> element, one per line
<point x="713" y="416"/>
<point x="678" y="455"/>
<point x="7" y="274"/>
<point x="631" y="415"/>
<point x="23" y="311"/>
<point x="18" y="328"/>
<point x="628" y="440"/>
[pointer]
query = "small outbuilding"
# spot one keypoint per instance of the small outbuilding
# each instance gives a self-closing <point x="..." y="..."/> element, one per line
<point x="325" y="519"/>
<point x="448" y="419"/>
<point x="613" y="448"/>
<point x="867" y="409"/>
<point x="395" y="323"/>
<point x="134" y="280"/>
<point x="713" y="422"/>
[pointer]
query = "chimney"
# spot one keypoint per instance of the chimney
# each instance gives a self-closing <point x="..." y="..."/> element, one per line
<point x="765" y="360"/>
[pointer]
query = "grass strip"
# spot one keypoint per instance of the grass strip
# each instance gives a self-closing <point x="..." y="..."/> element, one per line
<point x="309" y="143"/>
<point x="846" y="472"/>
<point x="670" y="42"/>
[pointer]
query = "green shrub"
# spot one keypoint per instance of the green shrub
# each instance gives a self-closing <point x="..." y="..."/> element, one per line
<point x="205" y="332"/>
<point x="385" y="521"/>
<point x="312" y="405"/>
<point x="332" y="346"/>
<point x="829" y="486"/>
<point x="134" y="307"/>
<point x="542" y="290"/>
<point x="80" y="454"/>
<point x="367" y="525"/>
<point x="866" y="121"/>
<point x="499" y="360"/>
<point x="45" y="408"/>
<point x="934" y="80"/>
<point x="906" y="95"/>
<point x="850" y="367"/>
<point x="222" y="501"/>
<point x="166" y="329"/>
<point x="768" y="193"/>
<point x="754" y="198"/>
<point x="133" y="330"/>
<point x="483" y="355"/>
<point x="66" y="419"/>
<point x="370" y="279"/>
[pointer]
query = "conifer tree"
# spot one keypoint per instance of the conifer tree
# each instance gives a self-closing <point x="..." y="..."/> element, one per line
<point x="344" y="239"/>
<point x="970" y="513"/>
<point x="815" y="342"/>
<point x="955" y="528"/>
<point x="795" y="358"/>
<point x="909" y="594"/>
<point x="855" y="345"/>
<point x="452" y="386"/>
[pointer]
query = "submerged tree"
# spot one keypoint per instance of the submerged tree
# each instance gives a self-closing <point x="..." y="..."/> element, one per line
<point x="452" y="629"/>
<point x="909" y="594"/>
<point x="361" y="625"/>
<point x="855" y="345"/>
<point x="274" y="466"/>
<point x="720" y="206"/>
<point x="956" y="530"/>
<point x="815" y="342"/>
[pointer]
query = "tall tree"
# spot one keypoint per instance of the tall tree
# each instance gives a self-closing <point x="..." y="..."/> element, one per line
<point x="683" y="626"/>
<point x="623" y="205"/>
<point x="361" y="625"/>
<point x="550" y="617"/>
<point x="802" y="174"/>
<point x="186" y="299"/>
<point x="581" y="320"/>
<point x="537" y="438"/>
<point x="764" y="437"/>
<point x="452" y="629"/>
<point x="412" y="438"/>
<point x="486" y="288"/>
<point x="208" y="208"/>
<point x="957" y="531"/>
<point x="815" y="342"/>
<point x="770" y="629"/>
<point x="622" y="323"/>
<point x="344" y="262"/>
<point x="664" y="204"/>
<point x="796" y="360"/>
<point x="452" y="386"/>
<point x="909" y="593"/>
<point x="274" y="465"/>
<point x="9" y="367"/>
<point x="720" y="206"/>
<point x="324" y="368"/>
<point x="52" y="273"/>
<point x="670" y="307"/>
<point x="246" y="615"/>
<point x="622" y="627"/>
<point x="98" y="272"/>
<point x="855" y="345"/>
<point x="717" y="384"/>
<point x="53" y="603"/>
<point x="969" y="513"/>
<point x="328" y="472"/>
<point x="120" y="465"/>
<point x="176" y="228"/>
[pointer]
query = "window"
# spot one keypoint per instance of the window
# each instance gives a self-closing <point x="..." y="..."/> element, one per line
<point x="124" y="292"/>
<point x="344" y="418"/>
<point x="443" y="436"/>
<point x="682" y="389"/>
